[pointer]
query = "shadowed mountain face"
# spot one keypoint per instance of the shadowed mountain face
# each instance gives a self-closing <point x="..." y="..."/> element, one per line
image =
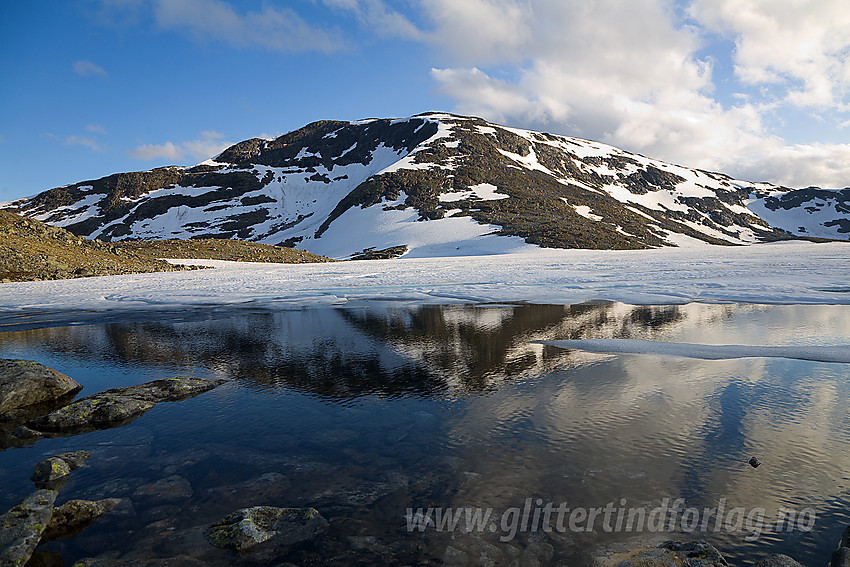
<point x="437" y="184"/>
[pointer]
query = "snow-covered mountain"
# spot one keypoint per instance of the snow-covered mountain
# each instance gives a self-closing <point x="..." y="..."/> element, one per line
<point x="437" y="184"/>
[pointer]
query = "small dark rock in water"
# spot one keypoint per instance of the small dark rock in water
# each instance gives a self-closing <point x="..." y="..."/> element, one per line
<point x="119" y="406"/>
<point x="841" y="556"/>
<point x="74" y="516"/>
<point x="754" y="462"/>
<point x="23" y="526"/>
<point x="244" y="529"/>
<point x="24" y="383"/>
<point x="52" y="471"/>
<point x="778" y="560"/>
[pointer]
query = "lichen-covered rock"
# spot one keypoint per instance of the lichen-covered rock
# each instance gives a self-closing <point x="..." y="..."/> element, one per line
<point x="74" y="516"/>
<point x="22" y="526"/>
<point x="244" y="529"/>
<point x="119" y="406"/>
<point x="100" y="411"/>
<point x="54" y="469"/>
<point x="668" y="554"/>
<point x="24" y="383"/>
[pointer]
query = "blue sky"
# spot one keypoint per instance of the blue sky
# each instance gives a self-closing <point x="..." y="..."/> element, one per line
<point x="759" y="89"/>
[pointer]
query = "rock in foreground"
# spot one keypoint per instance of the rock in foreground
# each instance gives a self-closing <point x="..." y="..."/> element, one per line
<point x="25" y="383"/>
<point x="119" y="406"/>
<point x="244" y="529"/>
<point x="668" y="554"/>
<point x="52" y="471"/>
<point x="22" y="527"/>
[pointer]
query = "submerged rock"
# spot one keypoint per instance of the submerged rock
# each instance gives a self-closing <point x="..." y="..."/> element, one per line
<point x="74" y="516"/>
<point x="778" y="560"/>
<point x="174" y="487"/>
<point x="22" y="526"/>
<point x="52" y="471"/>
<point x="668" y="554"/>
<point x="25" y="383"/>
<point x="841" y="556"/>
<point x="244" y="529"/>
<point x="119" y="406"/>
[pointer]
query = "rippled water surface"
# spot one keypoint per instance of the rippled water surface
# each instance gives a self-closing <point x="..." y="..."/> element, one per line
<point x="365" y="412"/>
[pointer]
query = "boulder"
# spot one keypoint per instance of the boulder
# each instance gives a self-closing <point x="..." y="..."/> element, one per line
<point x="52" y="471"/>
<point x="668" y="554"/>
<point x="74" y="516"/>
<point x="22" y="526"/>
<point x="25" y="383"/>
<point x="777" y="560"/>
<point x="245" y="529"/>
<point x="119" y="406"/>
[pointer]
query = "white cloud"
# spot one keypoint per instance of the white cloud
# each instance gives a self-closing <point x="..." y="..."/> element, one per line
<point x="96" y="129"/>
<point x="211" y="135"/>
<point x="207" y="145"/>
<point x="634" y="75"/>
<point x="379" y="17"/>
<point x="86" y="68"/>
<point x="277" y="29"/>
<point x="799" y="165"/>
<point x="85" y="141"/>
<point x="801" y="45"/>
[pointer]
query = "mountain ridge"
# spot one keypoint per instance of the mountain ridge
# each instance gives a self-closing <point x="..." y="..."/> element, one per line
<point x="437" y="184"/>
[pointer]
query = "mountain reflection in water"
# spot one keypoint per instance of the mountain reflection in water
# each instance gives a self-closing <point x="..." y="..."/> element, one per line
<point x="373" y="409"/>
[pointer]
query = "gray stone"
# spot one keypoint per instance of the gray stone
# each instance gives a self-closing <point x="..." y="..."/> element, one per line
<point x="52" y="471"/>
<point x="24" y="383"/>
<point x="840" y="557"/>
<point x="245" y="529"/>
<point x="668" y="554"/>
<point x="119" y="406"/>
<point x="22" y="526"/>
<point x="777" y="560"/>
<point x="74" y="516"/>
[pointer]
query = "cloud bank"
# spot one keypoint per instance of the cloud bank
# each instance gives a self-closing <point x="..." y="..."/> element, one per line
<point x="642" y="75"/>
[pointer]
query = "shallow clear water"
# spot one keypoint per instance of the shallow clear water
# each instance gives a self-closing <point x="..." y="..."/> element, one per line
<point x="368" y="411"/>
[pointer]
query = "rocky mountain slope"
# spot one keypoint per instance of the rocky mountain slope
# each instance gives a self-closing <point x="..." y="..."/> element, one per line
<point x="32" y="250"/>
<point x="437" y="184"/>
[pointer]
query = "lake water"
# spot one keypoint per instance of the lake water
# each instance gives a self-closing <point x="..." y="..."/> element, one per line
<point x="370" y="412"/>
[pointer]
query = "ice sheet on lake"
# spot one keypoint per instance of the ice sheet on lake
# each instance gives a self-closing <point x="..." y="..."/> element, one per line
<point x="781" y="273"/>
<point x="839" y="353"/>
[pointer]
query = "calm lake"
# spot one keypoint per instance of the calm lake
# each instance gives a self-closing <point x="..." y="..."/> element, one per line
<point x="370" y="412"/>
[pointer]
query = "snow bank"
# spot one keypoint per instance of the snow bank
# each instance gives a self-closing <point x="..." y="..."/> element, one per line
<point x="780" y="273"/>
<point x="707" y="352"/>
